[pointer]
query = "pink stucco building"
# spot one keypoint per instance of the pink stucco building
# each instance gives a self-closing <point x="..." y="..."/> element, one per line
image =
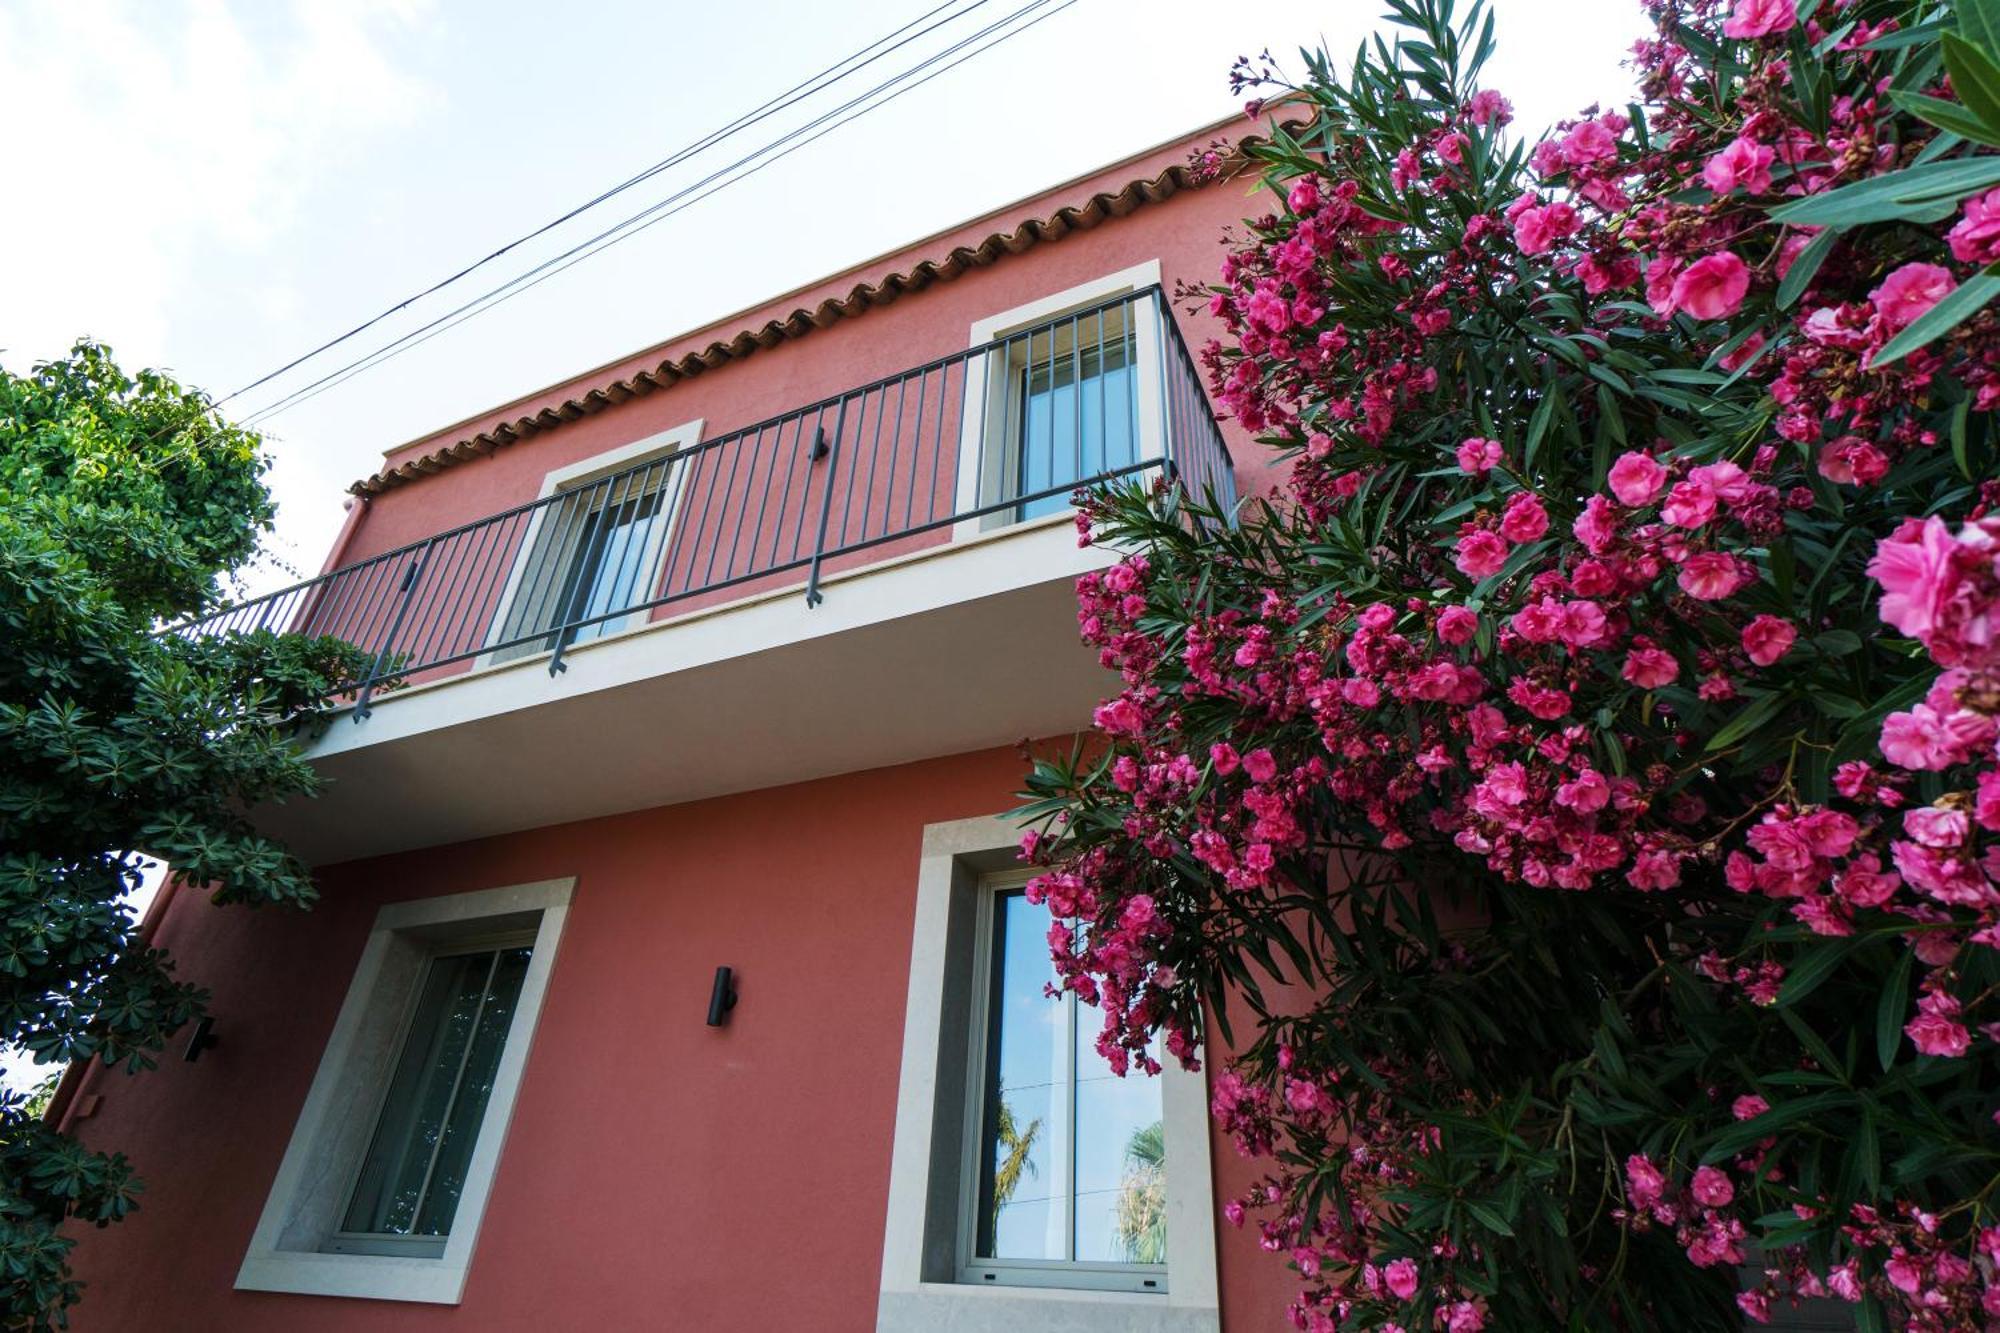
<point x="717" y="656"/>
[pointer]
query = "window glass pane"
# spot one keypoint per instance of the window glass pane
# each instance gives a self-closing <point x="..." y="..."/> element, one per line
<point x="468" y="1108"/>
<point x="1078" y="413"/>
<point x="436" y="1095"/>
<point x="1072" y="1157"/>
<point x="1023" y="1200"/>
<point x="1120" y="1160"/>
<point x="616" y="564"/>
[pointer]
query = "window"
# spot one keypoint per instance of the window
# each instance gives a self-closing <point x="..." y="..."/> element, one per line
<point x="1078" y="408"/>
<point x="1070" y="1159"/>
<point x="1071" y="390"/>
<point x="1029" y="1187"/>
<point x="414" y="1171"/>
<point x="594" y="553"/>
<point x="383" y="1186"/>
<point x="598" y="551"/>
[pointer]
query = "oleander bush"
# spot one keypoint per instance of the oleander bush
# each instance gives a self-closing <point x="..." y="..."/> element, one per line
<point x="1573" y="797"/>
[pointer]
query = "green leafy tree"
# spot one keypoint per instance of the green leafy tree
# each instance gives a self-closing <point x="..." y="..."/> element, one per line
<point x="1018" y="1144"/>
<point x="124" y="502"/>
<point x="1142" y="1196"/>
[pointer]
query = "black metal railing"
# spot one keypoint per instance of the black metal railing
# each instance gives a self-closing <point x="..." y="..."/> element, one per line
<point x="980" y="439"/>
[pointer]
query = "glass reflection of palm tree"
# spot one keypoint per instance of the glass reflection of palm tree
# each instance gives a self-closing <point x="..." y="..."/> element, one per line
<point x="1142" y="1196"/>
<point x="1015" y="1145"/>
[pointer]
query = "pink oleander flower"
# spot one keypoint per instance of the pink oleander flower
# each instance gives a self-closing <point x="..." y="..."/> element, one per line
<point x="1936" y="827"/>
<point x="1711" y="1188"/>
<point x="1852" y="461"/>
<point x="1400" y="1276"/>
<point x="1456" y="625"/>
<point x="1711" y="576"/>
<point x="1524" y="520"/>
<point x="1749" y="1106"/>
<point x="1908" y="292"/>
<point x="1538" y="229"/>
<point x="1481" y="553"/>
<point x="1120" y="717"/>
<point x="1768" y="638"/>
<point x="1650" y="668"/>
<point x="1597" y="526"/>
<point x="1654" y="871"/>
<point x="1259" y="766"/>
<point x="1941" y="589"/>
<point x="1463" y="1317"/>
<point x="1936" y="1029"/>
<point x="1761" y="18"/>
<point x="1489" y="108"/>
<point x="1587" y="143"/>
<point x="1585" y="793"/>
<point x="1976" y="239"/>
<point x="1744" y="162"/>
<point x="1712" y="287"/>
<point x="1918" y="740"/>
<point x="1636" y="479"/>
<point x="1689" y="505"/>
<point x="1643" y="1182"/>
<point x="1916" y="569"/>
<point x="1478" y="457"/>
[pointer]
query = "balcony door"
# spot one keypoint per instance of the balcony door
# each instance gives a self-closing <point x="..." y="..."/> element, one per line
<point x="1070" y="389"/>
<point x="590" y="559"/>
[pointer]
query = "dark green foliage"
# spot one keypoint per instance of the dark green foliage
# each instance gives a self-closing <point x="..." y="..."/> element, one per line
<point x="123" y="502"/>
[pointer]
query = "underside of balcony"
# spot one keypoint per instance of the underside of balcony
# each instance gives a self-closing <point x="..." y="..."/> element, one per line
<point x="959" y="648"/>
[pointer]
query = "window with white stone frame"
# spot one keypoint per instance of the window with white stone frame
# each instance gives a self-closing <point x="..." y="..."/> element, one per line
<point x="383" y="1185"/>
<point x="1030" y="1186"/>
<point x="1070" y="390"/>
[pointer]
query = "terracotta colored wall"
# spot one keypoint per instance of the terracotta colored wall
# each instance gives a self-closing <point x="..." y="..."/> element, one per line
<point x="658" y="1173"/>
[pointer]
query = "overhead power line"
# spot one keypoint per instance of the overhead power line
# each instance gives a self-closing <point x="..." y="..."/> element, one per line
<point x="741" y="169"/>
<point x="798" y="92"/>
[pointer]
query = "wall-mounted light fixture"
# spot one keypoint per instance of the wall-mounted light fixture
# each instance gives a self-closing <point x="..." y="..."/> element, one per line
<point x="203" y="1038"/>
<point x="721" y="999"/>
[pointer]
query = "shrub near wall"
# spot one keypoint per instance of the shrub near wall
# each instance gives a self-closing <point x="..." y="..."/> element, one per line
<point x="1634" y="595"/>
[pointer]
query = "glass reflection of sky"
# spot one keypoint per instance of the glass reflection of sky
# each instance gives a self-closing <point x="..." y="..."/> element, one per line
<point x="1079" y="1147"/>
<point x="1078" y="420"/>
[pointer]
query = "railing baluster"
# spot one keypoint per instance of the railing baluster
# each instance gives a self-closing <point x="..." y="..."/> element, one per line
<point x="826" y="504"/>
<point x="413" y="573"/>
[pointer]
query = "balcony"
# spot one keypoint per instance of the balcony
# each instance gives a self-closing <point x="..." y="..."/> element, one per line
<point x="879" y="576"/>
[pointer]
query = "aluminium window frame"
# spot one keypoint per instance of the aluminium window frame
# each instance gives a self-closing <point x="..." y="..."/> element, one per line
<point x="577" y="478"/>
<point x="342" y="1241"/>
<point x="983" y="474"/>
<point x="973" y="1269"/>
<point x="1068" y="349"/>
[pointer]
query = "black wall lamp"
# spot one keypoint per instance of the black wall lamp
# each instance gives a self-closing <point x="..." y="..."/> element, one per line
<point x="203" y="1038"/>
<point x="721" y="999"/>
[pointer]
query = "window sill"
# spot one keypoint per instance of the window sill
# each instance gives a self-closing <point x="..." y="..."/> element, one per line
<point x="994" y="1309"/>
<point x="378" y="1277"/>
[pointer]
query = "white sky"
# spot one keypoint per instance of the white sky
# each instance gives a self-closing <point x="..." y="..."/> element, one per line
<point x="217" y="187"/>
